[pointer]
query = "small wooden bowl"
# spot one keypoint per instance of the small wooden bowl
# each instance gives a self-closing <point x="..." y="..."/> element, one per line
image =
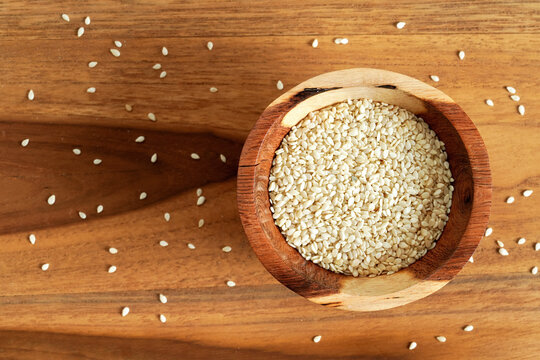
<point x="468" y="216"/>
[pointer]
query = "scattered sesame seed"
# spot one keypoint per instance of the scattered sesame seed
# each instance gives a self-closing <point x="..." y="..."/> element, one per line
<point x="164" y="51"/>
<point x="113" y="250"/>
<point x="162" y="318"/>
<point x="337" y="41"/>
<point x="315" y="43"/>
<point x="80" y="31"/>
<point x="201" y="223"/>
<point x="25" y="142"/>
<point x="461" y="55"/>
<point x="125" y="311"/>
<point x="231" y="283"/>
<point x="534" y="270"/>
<point x="92" y="64"/>
<point x="537" y="247"/>
<point x="118" y="43"/>
<point x="226" y="249"/>
<point x="489" y="102"/>
<point x="191" y="246"/>
<point x="201" y="200"/>
<point x="195" y="156"/>
<point x="112" y="269"/>
<point x="82" y="215"/>
<point x="515" y="97"/>
<point x="99" y="209"/>
<point x="401" y="24"/>
<point x="153" y="158"/>
<point x="468" y="328"/>
<point x="521" y="110"/>
<point x="510" y="89"/>
<point x="45" y="267"/>
<point x="156" y="66"/>
<point x="51" y="200"/>
<point x="151" y="116"/>
<point x="521" y="241"/>
<point x="434" y="78"/>
<point x="32" y="239"/>
<point x="341" y="41"/>
<point x="162" y="74"/>
<point x="317" y="338"/>
<point x="503" y="251"/>
<point x="91" y="90"/>
<point x="279" y="85"/>
<point x="510" y="200"/>
<point x="87" y="20"/>
<point x="441" y="338"/>
<point x="199" y="192"/>
<point x="167" y="216"/>
<point x="115" y="52"/>
<point x="488" y="232"/>
<point x="129" y="107"/>
<point x="97" y="161"/>
<point x="162" y="298"/>
<point x="210" y="45"/>
<point x="77" y="151"/>
<point x="163" y="243"/>
<point x="527" y="193"/>
<point x="471" y="260"/>
<point x="142" y="195"/>
<point x="500" y="243"/>
<point x="412" y="345"/>
<point x="140" y="139"/>
<point x="222" y="158"/>
<point x="65" y="17"/>
<point x="213" y="89"/>
<point x="30" y="95"/>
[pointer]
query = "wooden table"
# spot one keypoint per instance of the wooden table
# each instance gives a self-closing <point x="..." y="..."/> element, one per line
<point x="72" y="310"/>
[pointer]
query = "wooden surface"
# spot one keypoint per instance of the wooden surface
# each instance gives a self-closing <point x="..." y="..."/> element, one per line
<point x="72" y="311"/>
<point x="471" y="200"/>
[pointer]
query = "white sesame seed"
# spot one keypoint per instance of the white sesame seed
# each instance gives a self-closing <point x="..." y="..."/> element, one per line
<point x="167" y="217"/>
<point x="201" y="223"/>
<point x="25" y="142"/>
<point x="191" y="246"/>
<point x="537" y="247"/>
<point x="279" y="85"/>
<point x="344" y="41"/>
<point x="521" y="110"/>
<point x="441" y="338"/>
<point x="213" y="89"/>
<point x="162" y="318"/>
<point x="30" y="95"/>
<point x="156" y="66"/>
<point x="231" y="283"/>
<point x="534" y="270"/>
<point x="125" y="311"/>
<point x="91" y="90"/>
<point x="401" y="24"/>
<point x="210" y="45"/>
<point x="510" y="89"/>
<point x="113" y="250"/>
<point x="503" y="251"/>
<point x="315" y="43"/>
<point x="153" y="158"/>
<point x="521" y="241"/>
<point x="140" y="139"/>
<point x="222" y="158"/>
<point x="115" y="52"/>
<point x="471" y="260"/>
<point x="434" y="78"/>
<point x="163" y="243"/>
<point x="162" y="74"/>
<point x="162" y="298"/>
<point x="112" y="269"/>
<point x="51" y="200"/>
<point x="65" y="17"/>
<point x="201" y="200"/>
<point x="128" y="107"/>
<point x="412" y="345"/>
<point x="489" y="102"/>
<point x="488" y="232"/>
<point x="337" y="41"/>
<point x="500" y="243"/>
<point x="142" y="195"/>
<point x="92" y="64"/>
<point x="510" y="200"/>
<point x="151" y="116"/>
<point x="45" y="267"/>
<point x="87" y="20"/>
<point x="316" y="338"/>
<point x="468" y="328"/>
<point x="80" y="31"/>
<point x="199" y="192"/>
<point x="32" y="239"/>
<point x="226" y="249"/>
<point x="99" y="209"/>
<point x="195" y="156"/>
<point x="515" y="97"/>
<point x="527" y="193"/>
<point x="461" y="55"/>
<point x="76" y="151"/>
<point x="97" y="161"/>
<point x="164" y="51"/>
<point x="82" y="215"/>
<point x="117" y="43"/>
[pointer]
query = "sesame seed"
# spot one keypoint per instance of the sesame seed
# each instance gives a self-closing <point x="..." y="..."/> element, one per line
<point x="201" y="223"/>
<point x="213" y="89"/>
<point x="140" y="139"/>
<point x="510" y="200"/>
<point x="537" y="247"/>
<point x="441" y="338"/>
<point x="471" y="260"/>
<point x="162" y="298"/>
<point x="156" y="66"/>
<point x="153" y="158"/>
<point x="65" y="17"/>
<point x="434" y="78"/>
<point x="521" y="110"/>
<point x="97" y="161"/>
<point x="25" y="142"/>
<point x="488" y="232"/>
<point x="503" y="251"/>
<point x="461" y="55"/>
<point x="142" y="196"/>
<point x="527" y="193"/>
<point x="337" y="41"/>
<point x="515" y="97"/>
<point x="87" y="20"/>
<point x="125" y="311"/>
<point x="521" y="241"/>
<point x="500" y="243"/>
<point x="30" y="95"/>
<point x="32" y="239"/>
<point x="164" y="51"/>
<point x="151" y="116"/>
<point x="99" y="209"/>
<point x="167" y="216"/>
<point x="195" y="156"/>
<point x="163" y="243"/>
<point x="534" y="270"/>
<point x="118" y="43"/>
<point x="231" y="283"/>
<point x="401" y="24"/>
<point x="199" y="192"/>
<point x="226" y="249"/>
<point x="510" y="89"/>
<point x="162" y="74"/>
<point x="344" y="41"/>
<point x="51" y="200"/>
<point x="489" y="102"/>
<point x="191" y="246"/>
<point x="162" y="318"/>
<point x="91" y="90"/>
<point x="80" y="31"/>
<point x="468" y="328"/>
<point x="82" y="215"/>
<point x="112" y="269"/>
<point x="210" y="45"/>
<point x="92" y="64"/>
<point x="128" y="107"/>
<point x="412" y="345"/>
<point x="113" y="250"/>
<point x="315" y="43"/>
<point x="76" y="151"/>
<point x="115" y="52"/>
<point x="222" y="158"/>
<point x="317" y="338"/>
<point x="279" y="85"/>
<point x="45" y="267"/>
<point x="201" y="200"/>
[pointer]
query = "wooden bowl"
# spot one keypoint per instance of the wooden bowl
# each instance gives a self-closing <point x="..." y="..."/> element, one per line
<point x="468" y="216"/>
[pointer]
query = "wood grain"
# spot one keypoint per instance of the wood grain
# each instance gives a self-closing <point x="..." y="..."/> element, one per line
<point x="75" y="306"/>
